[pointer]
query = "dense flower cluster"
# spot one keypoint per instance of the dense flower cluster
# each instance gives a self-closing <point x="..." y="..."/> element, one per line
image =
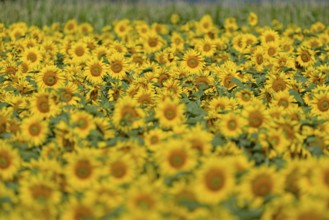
<point x="164" y="121"/>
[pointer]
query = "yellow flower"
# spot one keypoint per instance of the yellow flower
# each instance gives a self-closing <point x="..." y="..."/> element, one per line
<point x="39" y="190"/>
<point x="305" y="57"/>
<point x="175" y="157"/>
<point x="95" y="71"/>
<point x="231" y="125"/>
<point x="50" y="77"/>
<point x="41" y="104"/>
<point x="127" y="115"/>
<point x="118" y="66"/>
<point x="82" y="123"/>
<point x="9" y="161"/>
<point x="83" y="168"/>
<point x="121" y="168"/>
<point x="193" y="62"/>
<point x="34" y="130"/>
<point x="252" y="19"/>
<point x="259" y="183"/>
<point x="170" y="113"/>
<point x="320" y="104"/>
<point x="214" y="181"/>
<point x="79" y="52"/>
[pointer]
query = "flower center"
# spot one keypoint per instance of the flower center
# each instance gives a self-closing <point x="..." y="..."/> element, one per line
<point x="214" y="179"/>
<point x="50" y="79"/>
<point x="170" y="113"/>
<point x="232" y="125"/>
<point x="83" y="169"/>
<point x="118" y="169"/>
<point x="116" y="67"/>
<point x="323" y="105"/>
<point x="96" y="70"/>
<point x="192" y="62"/>
<point x="177" y="158"/>
<point x="35" y="129"/>
<point x="32" y="57"/>
<point x="5" y="160"/>
<point x="305" y="56"/>
<point x="261" y="185"/>
<point x="79" y="51"/>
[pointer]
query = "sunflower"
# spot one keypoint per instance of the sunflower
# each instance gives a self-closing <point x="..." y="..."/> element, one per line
<point x="32" y="56"/>
<point x="256" y="115"/>
<point x="252" y="19"/>
<point x="192" y="61"/>
<point x="205" y="24"/>
<point x="321" y="177"/>
<point x="121" y="168"/>
<point x="269" y="36"/>
<point x="82" y="169"/>
<point x="259" y="183"/>
<point x="214" y="181"/>
<point x="43" y="105"/>
<point x="38" y="190"/>
<point x="80" y="209"/>
<point x="82" y="123"/>
<point x="244" y="96"/>
<point x="153" y="42"/>
<point x="70" y="27"/>
<point x="305" y="57"/>
<point x="34" y="130"/>
<point x="283" y="99"/>
<point x="79" y="52"/>
<point x="177" y="41"/>
<point x="221" y="104"/>
<point x="170" y="113"/>
<point x="277" y="82"/>
<point x="226" y="73"/>
<point x="50" y="77"/>
<point x="122" y="27"/>
<point x="274" y="142"/>
<point x="201" y="143"/>
<point x="231" y="125"/>
<point x="67" y="94"/>
<point x="206" y="47"/>
<point x="307" y="209"/>
<point x="118" y="66"/>
<point x="9" y="161"/>
<point x="258" y="58"/>
<point x="320" y="104"/>
<point x="95" y="71"/>
<point x="127" y="115"/>
<point x="153" y="138"/>
<point x="143" y="199"/>
<point x="175" y="157"/>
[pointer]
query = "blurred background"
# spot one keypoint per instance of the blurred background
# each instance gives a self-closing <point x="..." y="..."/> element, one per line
<point x="102" y="12"/>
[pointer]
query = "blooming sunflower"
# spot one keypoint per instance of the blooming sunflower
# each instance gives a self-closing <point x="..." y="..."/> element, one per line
<point x="255" y="114"/>
<point x="252" y="19"/>
<point x="175" y="157"/>
<point x="50" y="77"/>
<point x="41" y="104"/>
<point x="34" y="130"/>
<point x="231" y="125"/>
<point x="82" y="169"/>
<point x="153" y="42"/>
<point x="9" y="161"/>
<point x="118" y="66"/>
<point x="320" y="104"/>
<point x="95" y="71"/>
<point x="121" y="168"/>
<point x="127" y="115"/>
<point x="305" y="57"/>
<point x="32" y="56"/>
<point x="193" y="62"/>
<point x="79" y="52"/>
<point x="39" y="190"/>
<point x="214" y="181"/>
<point x="170" y="113"/>
<point x="83" y="123"/>
<point x="259" y="183"/>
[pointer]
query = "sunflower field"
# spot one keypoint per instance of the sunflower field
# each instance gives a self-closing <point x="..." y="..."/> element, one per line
<point x="164" y="120"/>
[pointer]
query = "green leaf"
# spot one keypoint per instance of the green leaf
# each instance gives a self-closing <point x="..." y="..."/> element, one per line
<point x="297" y="96"/>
